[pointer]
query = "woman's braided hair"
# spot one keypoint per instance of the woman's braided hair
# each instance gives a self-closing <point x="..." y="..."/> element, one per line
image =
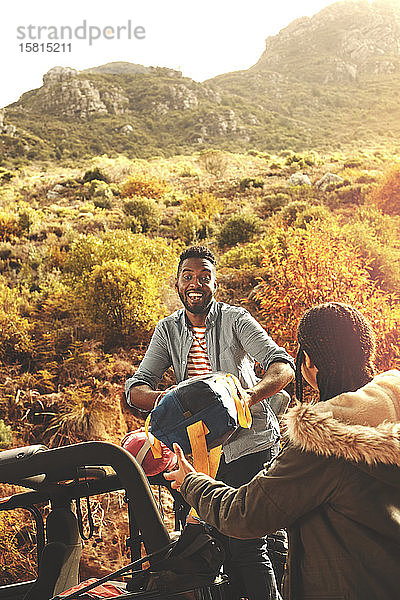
<point x="340" y="342"/>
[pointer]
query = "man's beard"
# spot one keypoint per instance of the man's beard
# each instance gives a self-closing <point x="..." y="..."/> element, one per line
<point x="200" y="308"/>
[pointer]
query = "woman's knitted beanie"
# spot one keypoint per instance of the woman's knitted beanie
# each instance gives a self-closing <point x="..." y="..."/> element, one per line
<point x="340" y="342"/>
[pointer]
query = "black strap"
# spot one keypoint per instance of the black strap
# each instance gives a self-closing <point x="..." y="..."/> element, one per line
<point x="80" y="519"/>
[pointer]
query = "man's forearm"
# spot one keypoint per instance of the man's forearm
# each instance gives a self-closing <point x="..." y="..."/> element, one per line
<point x="143" y="397"/>
<point x="278" y="375"/>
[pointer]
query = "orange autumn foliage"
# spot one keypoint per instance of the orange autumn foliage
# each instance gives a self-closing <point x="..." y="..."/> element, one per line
<point x="144" y="186"/>
<point x="386" y="196"/>
<point x="307" y="267"/>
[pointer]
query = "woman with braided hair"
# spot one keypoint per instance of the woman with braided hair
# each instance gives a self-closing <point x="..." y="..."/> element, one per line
<point x="335" y="485"/>
<point x="340" y="343"/>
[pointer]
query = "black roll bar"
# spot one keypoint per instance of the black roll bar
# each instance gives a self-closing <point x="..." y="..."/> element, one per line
<point x="61" y="464"/>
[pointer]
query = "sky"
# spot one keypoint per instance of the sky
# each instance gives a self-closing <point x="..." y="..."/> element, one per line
<point x="202" y="39"/>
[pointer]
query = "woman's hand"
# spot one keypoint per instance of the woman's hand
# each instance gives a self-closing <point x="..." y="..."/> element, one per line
<point x="177" y="477"/>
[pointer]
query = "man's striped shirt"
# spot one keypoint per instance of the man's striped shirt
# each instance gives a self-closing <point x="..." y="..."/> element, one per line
<point x="198" y="362"/>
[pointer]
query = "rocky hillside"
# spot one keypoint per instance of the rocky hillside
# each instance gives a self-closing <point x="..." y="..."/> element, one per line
<point x="345" y="42"/>
<point x="324" y="82"/>
<point x="131" y="110"/>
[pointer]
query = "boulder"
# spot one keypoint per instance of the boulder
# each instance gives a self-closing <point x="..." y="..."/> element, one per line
<point x="299" y="179"/>
<point x="126" y="129"/>
<point x="6" y="129"/>
<point x="52" y="195"/>
<point x="59" y="74"/>
<point x="327" y="180"/>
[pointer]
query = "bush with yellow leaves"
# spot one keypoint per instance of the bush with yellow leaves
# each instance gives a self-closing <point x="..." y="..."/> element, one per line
<point x="118" y="278"/>
<point x="15" y="339"/>
<point x="205" y="205"/>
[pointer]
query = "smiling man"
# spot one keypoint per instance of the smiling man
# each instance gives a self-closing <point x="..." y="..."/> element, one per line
<point x="208" y="336"/>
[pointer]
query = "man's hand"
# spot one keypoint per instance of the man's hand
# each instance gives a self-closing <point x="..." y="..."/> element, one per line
<point x="252" y="397"/>
<point x="276" y="378"/>
<point x="184" y="468"/>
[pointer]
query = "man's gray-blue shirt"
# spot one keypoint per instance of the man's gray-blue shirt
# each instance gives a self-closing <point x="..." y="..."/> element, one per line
<point x="234" y="340"/>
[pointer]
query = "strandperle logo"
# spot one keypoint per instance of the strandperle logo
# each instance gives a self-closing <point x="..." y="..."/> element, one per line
<point x="81" y="32"/>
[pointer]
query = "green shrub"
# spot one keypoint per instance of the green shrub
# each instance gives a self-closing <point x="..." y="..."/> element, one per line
<point x="205" y="205"/>
<point x="331" y="187"/>
<point x="291" y="211"/>
<point x="244" y="257"/>
<point x="213" y="161"/>
<point x="115" y="189"/>
<point x="352" y="163"/>
<point x="9" y="225"/>
<point x="274" y="202"/>
<point x="376" y="235"/>
<point x="99" y="192"/>
<point x="6" y="176"/>
<point x="187" y="171"/>
<point x="238" y="229"/>
<point x="122" y="296"/>
<point x="101" y="202"/>
<point x="302" y="161"/>
<point x="134" y="225"/>
<point x="188" y="225"/>
<point x="91" y="250"/>
<point x="366" y="178"/>
<point x="191" y="228"/>
<point x="145" y="210"/>
<point x="95" y="174"/>
<point x="15" y="341"/>
<point x="250" y="182"/>
<point x="293" y="158"/>
<point x="30" y="220"/>
<point x="26" y="220"/>
<point x="386" y="196"/>
<point x="117" y="278"/>
<point x="349" y="194"/>
<point x="312" y="213"/>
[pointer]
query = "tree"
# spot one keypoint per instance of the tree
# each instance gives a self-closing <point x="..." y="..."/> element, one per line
<point x="315" y="265"/>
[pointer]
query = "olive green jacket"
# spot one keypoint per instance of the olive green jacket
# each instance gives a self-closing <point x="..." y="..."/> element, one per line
<point x="335" y="487"/>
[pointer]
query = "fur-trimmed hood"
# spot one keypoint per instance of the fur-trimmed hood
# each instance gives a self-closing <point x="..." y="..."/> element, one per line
<point x="361" y="426"/>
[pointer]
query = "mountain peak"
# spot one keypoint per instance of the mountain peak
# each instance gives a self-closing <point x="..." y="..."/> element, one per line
<point x="343" y="41"/>
<point x="118" y="68"/>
